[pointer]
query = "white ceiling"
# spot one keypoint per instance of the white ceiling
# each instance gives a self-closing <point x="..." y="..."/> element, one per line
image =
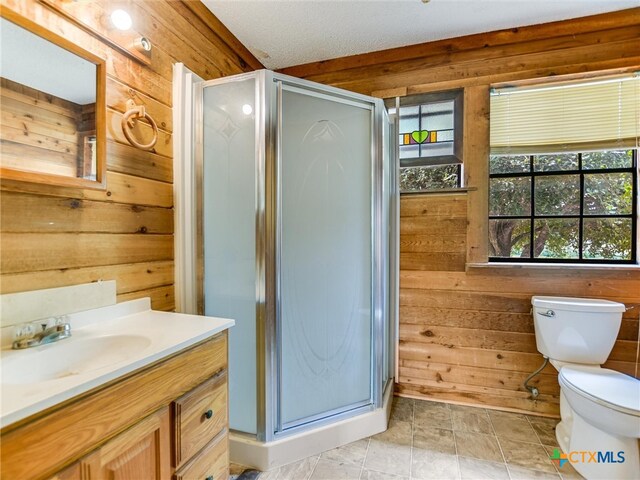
<point x="292" y="32"/>
<point x="37" y="63"/>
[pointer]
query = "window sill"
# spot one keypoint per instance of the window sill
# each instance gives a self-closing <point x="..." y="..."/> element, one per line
<point x="444" y="190"/>
<point x="552" y="266"/>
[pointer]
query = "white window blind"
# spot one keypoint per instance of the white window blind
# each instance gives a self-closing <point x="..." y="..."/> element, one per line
<point x="593" y="114"/>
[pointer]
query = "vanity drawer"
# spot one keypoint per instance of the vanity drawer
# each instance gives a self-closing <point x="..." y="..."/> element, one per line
<point x="199" y="416"/>
<point x="210" y="464"/>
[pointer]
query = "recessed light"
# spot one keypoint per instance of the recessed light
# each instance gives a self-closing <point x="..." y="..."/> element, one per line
<point x="121" y="19"/>
<point x="247" y="109"/>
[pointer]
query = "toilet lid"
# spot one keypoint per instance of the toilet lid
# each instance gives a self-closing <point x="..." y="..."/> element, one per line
<point x="610" y="388"/>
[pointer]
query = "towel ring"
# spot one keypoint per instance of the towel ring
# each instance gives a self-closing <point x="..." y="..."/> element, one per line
<point x="133" y="113"/>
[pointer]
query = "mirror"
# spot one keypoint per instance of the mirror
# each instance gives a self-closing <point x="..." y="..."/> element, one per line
<point x="53" y="107"/>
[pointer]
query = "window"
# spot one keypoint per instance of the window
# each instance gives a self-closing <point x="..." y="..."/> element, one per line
<point x="576" y="206"/>
<point x="429" y="141"/>
<point x="563" y="172"/>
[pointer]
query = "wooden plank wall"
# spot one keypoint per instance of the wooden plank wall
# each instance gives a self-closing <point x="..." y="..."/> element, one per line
<point x="38" y="131"/>
<point x="466" y="333"/>
<point x="467" y="336"/>
<point x="54" y="236"/>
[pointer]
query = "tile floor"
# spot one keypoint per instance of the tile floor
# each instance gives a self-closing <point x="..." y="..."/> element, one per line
<point x="431" y="440"/>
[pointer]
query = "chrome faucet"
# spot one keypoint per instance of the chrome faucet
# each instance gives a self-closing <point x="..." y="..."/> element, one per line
<point x="47" y="335"/>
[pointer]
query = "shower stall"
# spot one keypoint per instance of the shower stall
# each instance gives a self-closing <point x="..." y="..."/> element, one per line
<point x="297" y="241"/>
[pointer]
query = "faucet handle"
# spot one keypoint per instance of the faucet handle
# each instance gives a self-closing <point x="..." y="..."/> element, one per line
<point x="25" y="330"/>
<point x="60" y="320"/>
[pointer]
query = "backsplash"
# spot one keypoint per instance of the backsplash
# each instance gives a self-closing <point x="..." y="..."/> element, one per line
<point x="27" y="307"/>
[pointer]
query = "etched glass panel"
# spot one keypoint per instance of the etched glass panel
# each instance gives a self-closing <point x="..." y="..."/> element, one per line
<point x="325" y="259"/>
<point x="229" y="178"/>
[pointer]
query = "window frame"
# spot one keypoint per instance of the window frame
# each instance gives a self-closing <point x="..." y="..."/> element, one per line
<point x="532" y="174"/>
<point x="456" y="158"/>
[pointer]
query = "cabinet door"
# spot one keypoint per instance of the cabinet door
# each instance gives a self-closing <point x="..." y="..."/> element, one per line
<point x="141" y="452"/>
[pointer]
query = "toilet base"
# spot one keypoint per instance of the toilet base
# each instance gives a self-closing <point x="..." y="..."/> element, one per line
<point x="577" y="435"/>
<point x="563" y="435"/>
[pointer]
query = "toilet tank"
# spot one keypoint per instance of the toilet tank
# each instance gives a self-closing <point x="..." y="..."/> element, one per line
<point x="576" y="330"/>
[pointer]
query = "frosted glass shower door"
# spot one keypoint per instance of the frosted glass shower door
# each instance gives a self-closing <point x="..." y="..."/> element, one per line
<point x="324" y="255"/>
<point x="229" y="233"/>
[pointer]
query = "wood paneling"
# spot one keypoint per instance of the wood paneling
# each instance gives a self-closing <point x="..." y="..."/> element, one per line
<point x="120" y="189"/>
<point x="29" y="252"/>
<point x="56" y="236"/>
<point x="162" y="298"/>
<point x="41" y="214"/>
<point x="38" y="132"/>
<point x="586" y="44"/>
<point x="476" y="169"/>
<point x="131" y="277"/>
<point x="466" y="334"/>
<point x="468" y="337"/>
<point x="481" y="41"/>
<point x="433" y="237"/>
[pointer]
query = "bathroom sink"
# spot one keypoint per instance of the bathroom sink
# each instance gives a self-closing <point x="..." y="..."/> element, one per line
<point x="71" y="357"/>
<point x="106" y="344"/>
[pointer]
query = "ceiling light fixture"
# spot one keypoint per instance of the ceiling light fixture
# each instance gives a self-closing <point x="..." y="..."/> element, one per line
<point x="247" y="109"/>
<point x="121" y="19"/>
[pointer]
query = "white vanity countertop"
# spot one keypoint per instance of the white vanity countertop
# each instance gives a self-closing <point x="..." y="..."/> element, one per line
<point x="106" y="343"/>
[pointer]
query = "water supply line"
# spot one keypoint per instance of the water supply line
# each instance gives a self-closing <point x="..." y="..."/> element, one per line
<point x="533" y="390"/>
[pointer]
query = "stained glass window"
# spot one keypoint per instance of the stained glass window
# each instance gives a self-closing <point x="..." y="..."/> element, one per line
<point x="426" y="130"/>
<point x="429" y="130"/>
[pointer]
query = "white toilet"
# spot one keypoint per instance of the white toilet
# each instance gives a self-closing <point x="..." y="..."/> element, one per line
<point x="599" y="408"/>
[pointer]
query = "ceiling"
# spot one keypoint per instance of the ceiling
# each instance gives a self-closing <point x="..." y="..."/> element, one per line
<point x="282" y="33"/>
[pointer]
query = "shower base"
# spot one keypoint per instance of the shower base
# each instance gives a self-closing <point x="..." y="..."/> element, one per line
<point x="246" y="450"/>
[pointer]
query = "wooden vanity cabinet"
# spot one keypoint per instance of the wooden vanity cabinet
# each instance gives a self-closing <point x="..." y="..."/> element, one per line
<point x="71" y="473"/>
<point x="142" y="452"/>
<point x="169" y="420"/>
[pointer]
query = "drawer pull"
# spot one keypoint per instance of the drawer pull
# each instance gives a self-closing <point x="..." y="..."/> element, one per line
<point x="208" y="414"/>
<point x="210" y="477"/>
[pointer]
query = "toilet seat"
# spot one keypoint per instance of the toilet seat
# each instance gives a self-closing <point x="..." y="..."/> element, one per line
<point x="606" y="387"/>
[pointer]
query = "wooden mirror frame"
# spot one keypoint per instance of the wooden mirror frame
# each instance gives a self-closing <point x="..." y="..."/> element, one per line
<point x="100" y="116"/>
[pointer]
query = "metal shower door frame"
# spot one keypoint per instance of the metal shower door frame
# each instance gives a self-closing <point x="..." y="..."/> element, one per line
<point x="275" y="83"/>
<point x="267" y="118"/>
